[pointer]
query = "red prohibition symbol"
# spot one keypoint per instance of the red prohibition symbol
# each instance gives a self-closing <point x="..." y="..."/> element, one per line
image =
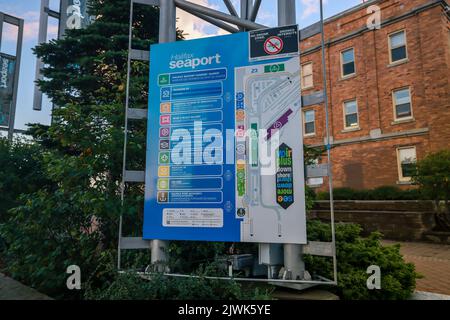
<point x="273" y="45"/>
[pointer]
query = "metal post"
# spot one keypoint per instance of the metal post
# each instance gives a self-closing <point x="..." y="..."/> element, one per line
<point x="12" y="115"/>
<point x="167" y="33"/>
<point x="330" y="173"/>
<point x="293" y="261"/>
<point x="246" y="9"/>
<point x="286" y="12"/>
<point x="125" y="135"/>
<point x="64" y="4"/>
<point x="254" y="11"/>
<point x="240" y="22"/>
<point x="42" y="38"/>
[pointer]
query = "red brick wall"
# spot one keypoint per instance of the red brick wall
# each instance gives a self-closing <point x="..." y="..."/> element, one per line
<point x="370" y="163"/>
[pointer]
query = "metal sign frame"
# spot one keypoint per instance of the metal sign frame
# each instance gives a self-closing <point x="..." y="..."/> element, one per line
<point x="6" y="18"/>
<point x="232" y="22"/>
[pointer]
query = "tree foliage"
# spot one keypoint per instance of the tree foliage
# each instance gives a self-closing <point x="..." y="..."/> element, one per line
<point x="73" y="217"/>
<point x="433" y="177"/>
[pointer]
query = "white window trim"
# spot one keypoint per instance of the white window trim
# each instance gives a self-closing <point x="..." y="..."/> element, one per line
<point x="411" y="117"/>
<point x="312" y="76"/>
<point x="304" y="124"/>
<point x="344" y="115"/>
<point x="342" y="63"/>
<point x="390" y="47"/>
<point x="401" y="178"/>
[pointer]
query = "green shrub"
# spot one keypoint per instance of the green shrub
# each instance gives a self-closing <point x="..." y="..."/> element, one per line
<point x="354" y="256"/>
<point x="381" y="193"/>
<point x="130" y="286"/>
<point x="20" y="172"/>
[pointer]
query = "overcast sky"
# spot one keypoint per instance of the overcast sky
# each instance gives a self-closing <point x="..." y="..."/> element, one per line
<point x="307" y="13"/>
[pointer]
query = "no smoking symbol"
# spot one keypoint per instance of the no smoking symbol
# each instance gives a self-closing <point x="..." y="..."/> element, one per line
<point x="273" y="45"/>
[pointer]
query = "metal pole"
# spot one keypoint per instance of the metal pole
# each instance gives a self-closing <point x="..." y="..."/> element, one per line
<point x="12" y="115"/>
<point x="125" y="138"/>
<point x="230" y="8"/>
<point x="167" y="33"/>
<point x="244" y="10"/>
<point x="64" y="4"/>
<point x="216" y="22"/>
<point x="286" y="12"/>
<point x="293" y="261"/>
<point x="42" y="38"/>
<point x="330" y="173"/>
<point x="241" y="22"/>
<point x="255" y="9"/>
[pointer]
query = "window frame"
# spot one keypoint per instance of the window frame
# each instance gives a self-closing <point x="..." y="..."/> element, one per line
<point x="302" y="84"/>
<point x="345" y="115"/>
<point x="401" y="178"/>
<point x="304" y="123"/>
<point x="342" y="63"/>
<point x="394" y="105"/>
<point x="390" y="47"/>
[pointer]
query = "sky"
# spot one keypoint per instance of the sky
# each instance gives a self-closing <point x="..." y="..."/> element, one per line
<point x="307" y="13"/>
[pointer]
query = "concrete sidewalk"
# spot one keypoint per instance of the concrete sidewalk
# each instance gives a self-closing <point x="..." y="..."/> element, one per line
<point x="13" y="290"/>
<point x="432" y="261"/>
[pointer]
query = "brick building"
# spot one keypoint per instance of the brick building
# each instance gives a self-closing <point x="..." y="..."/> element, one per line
<point x="388" y="88"/>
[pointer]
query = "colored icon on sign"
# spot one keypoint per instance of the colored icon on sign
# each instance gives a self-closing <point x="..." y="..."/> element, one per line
<point x="273" y="45"/>
<point x="163" y="196"/>
<point x="163" y="79"/>
<point x="163" y="184"/>
<point x="241" y="212"/>
<point x="240" y="115"/>
<point x="164" y="144"/>
<point x="164" y="158"/>
<point x="240" y="132"/>
<point x="164" y="120"/>
<point x="165" y="107"/>
<point x="163" y="171"/>
<point x="165" y="94"/>
<point x="240" y="174"/>
<point x="164" y="132"/>
<point x="240" y="148"/>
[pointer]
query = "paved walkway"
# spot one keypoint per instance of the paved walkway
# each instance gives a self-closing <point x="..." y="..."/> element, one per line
<point x="13" y="290"/>
<point x="432" y="262"/>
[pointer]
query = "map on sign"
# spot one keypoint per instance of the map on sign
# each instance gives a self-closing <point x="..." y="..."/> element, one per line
<point x="225" y="152"/>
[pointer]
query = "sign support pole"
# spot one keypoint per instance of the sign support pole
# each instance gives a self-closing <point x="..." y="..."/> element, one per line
<point x="330" y="173"/>
<point x="293" y="260"/>
<point x="167" y="33"/>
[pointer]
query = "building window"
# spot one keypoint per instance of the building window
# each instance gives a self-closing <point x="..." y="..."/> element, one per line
<point x="307" y="76"/>
<point x="402" y="104"/>
<point x="406" y="158"/>
<point x="309" y="122"/>
<point x="397" y="46"/>
<point x="351" y="115"/>
<point x="348" y="62"/>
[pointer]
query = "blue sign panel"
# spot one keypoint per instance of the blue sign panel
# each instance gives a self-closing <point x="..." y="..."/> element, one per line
<point x="200" y="184"/>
